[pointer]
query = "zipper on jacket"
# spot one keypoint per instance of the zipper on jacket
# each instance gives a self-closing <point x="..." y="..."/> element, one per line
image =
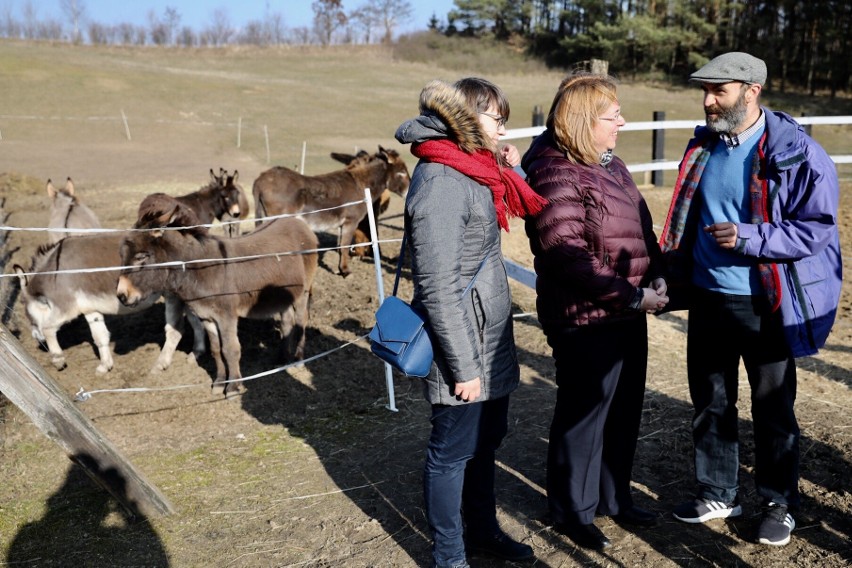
<point x="479" y="312"/>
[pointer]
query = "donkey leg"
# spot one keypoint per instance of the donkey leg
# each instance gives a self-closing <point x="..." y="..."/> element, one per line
<point x="344" y="240"/>
<point x="286" y="322"/>
<point x="100" y="334"/>
<point x="199" y="337"/>
<point x="231" y="353"/>
<point x="57" y="357"/>
<point x="216" y="352"/>
<point x="174" y="333"/>
<point x="300" y="310"/>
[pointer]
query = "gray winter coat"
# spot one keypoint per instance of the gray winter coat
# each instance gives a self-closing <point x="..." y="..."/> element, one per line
<point x="451" y="226"/>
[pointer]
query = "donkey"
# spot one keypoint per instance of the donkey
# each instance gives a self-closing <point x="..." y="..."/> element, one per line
<point x="232" y="227"/>
<point x="262" y="274"/>
<point x="380" y="205"/>
<point x="220" y="197"/>
<point x="51" y="300"/>
<point x="280" y="190"/>
<point x="66" y="212"/>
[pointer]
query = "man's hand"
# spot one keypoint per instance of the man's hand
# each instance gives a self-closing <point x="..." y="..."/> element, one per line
<point x="724" y="233"/>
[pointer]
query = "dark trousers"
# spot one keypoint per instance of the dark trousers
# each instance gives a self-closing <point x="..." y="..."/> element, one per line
<point x="722" y="330"/>
<point x="600" y="375"/>
<point x="459" y="474"/>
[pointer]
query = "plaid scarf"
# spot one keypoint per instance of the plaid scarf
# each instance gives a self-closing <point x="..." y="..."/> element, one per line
<point x="511" y="194"/>
<point x="689" y="177"/>
<point x="686" y="185"/>
<point x="761" y="213"/>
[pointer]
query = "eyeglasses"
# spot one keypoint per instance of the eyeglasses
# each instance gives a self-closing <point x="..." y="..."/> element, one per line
<point x="611" y="118"/>
<point x="500" y="120"/>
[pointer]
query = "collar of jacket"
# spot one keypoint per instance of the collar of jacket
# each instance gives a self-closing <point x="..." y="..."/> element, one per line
<point x="449" y="104"/>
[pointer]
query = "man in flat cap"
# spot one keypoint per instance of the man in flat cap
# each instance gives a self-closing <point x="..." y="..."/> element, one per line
<point x="752" y="235"/>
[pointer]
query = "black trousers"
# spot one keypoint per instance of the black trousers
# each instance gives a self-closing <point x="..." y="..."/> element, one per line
<point x="723" y="329"/>
<point x="600" y="375"/>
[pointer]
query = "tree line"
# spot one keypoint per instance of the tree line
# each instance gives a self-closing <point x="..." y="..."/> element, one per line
<point x="805" y="43"/>
<point x="372" y="21"/>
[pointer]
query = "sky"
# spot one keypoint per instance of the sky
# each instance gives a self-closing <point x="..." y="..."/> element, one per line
<point x="197" y="14"/>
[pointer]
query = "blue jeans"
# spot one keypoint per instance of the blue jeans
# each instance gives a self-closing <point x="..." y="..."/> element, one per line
<point x="459" y="474"/>
<point x="722" y="329"/>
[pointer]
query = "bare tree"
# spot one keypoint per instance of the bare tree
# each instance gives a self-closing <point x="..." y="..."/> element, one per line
<point x="10" y="27"/>
<point x="328" y="17"/>
<point x="49" y="29"/>
<point x="29" y="28"/>
<point x="274" y="26"/>
<point x="388" y="14"/>
<point x="125" y="33"/>
<point x="220" y="31"/>
<point x="171" y="21"/>
<point x="253" y="33"/>
<point x="300" y="35"/>
<point x="140" y="34"/>
<point x="74" y="11"/>
<point x="99" y="34"/>
<point x="186" y="37"/>
<point x="365" y="18"/>
<point x="157" y="30"/>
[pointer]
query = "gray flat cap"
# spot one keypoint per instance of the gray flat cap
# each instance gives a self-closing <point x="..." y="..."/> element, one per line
<point x="733" y="66"/>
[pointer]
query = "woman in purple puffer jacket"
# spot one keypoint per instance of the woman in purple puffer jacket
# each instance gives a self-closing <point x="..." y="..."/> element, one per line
<point x="599" y="271"/>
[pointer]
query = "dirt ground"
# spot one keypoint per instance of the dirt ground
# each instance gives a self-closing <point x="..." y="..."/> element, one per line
<point x="310" y="468"/>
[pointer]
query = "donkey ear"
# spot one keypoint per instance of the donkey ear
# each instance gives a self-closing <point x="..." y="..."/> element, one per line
<point x="235" y="177"/>
<point x="69" y="186"/>
<point x="342" y="158"/>
<point x="51" y="190"/>
<point x="213" y="177"/>
<point x="21" y="273"/>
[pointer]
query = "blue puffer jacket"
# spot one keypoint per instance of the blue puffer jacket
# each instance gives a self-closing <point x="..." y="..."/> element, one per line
<point x="801" y="237"/>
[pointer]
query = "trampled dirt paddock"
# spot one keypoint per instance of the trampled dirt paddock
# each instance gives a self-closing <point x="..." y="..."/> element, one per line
<point x="308" y="467"/>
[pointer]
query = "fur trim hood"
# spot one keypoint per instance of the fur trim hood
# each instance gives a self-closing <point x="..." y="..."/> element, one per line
<point x="444" y="113"/>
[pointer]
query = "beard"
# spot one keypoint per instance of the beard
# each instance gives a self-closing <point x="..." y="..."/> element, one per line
<point x="729" y="118"/>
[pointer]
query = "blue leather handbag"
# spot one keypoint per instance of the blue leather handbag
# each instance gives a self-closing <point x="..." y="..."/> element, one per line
<point x="400" y="336"/>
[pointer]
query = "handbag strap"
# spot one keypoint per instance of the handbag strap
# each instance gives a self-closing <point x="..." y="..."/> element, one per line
<point x="399" y="269"/>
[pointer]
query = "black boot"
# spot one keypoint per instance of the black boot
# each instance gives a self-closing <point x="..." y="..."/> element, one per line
<point x="587" y="536"/>
<point x="502" y="546"/>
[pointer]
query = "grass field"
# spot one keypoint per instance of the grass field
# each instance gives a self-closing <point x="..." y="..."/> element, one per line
<point x="57" y="98"/>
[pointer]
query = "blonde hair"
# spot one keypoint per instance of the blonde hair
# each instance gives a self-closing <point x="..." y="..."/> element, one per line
<point x="579" y="101"/>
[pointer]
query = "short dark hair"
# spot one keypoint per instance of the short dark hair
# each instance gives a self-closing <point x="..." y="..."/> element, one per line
<point x="481" y="94"/>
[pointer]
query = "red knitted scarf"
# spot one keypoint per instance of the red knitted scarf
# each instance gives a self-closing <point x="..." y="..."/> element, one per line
<point x="512" y="195"/>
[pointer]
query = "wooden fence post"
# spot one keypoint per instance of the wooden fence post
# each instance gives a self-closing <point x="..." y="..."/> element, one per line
<point x="537" y="116"/>
<point x="658" y="152"/>
<point x="30" y="388"/>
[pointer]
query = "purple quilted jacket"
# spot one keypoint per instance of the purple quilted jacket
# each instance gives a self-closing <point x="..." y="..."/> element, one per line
<point x="593" y="243"/>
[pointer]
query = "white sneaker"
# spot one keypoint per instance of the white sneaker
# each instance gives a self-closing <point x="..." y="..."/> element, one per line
<point x="701" y="510"/>
<point x="776" y="525"/>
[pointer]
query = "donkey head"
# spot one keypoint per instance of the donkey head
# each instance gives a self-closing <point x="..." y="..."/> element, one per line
<point x="397" y="178"/>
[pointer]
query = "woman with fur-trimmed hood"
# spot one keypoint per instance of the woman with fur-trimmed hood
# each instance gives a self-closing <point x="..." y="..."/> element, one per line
<point x="462" y="193"/>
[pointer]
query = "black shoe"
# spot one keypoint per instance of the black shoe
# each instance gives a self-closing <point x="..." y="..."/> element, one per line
<point x="587" y="536"/>
<point x="502" y="546"/>
<point x="636" y="517"/>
